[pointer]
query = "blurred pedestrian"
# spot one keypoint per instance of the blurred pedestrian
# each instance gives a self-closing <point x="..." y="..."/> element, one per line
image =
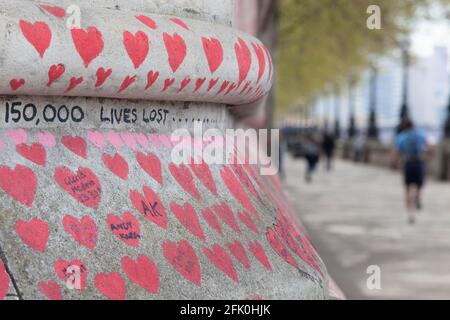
<point x="328" y="146"/>
<point x="358" y="144"/>
<point x="411" y="148"/>
<point x="311" y="151"/>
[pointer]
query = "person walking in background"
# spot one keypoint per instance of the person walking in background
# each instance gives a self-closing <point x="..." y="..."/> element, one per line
<point x="328" y="146"/>
<point x="411" y="147"/>
<point x="311" y="151"/>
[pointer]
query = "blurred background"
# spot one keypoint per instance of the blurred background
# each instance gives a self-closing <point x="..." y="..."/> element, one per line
<point x="352" y="76"/>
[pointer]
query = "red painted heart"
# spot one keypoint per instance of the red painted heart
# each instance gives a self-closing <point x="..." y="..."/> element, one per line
<point x="151" y="165"/>
<point x="238" y="251"/>
<point x="261" y="60"/>
<point x="16" y="84"/>
<point x="188" y="218"/>
<point x="258" y="251"/>
<point x="221" y="260"/>
<point x="184" y="84"/>
<point x="83" y="185"/>
<point x="55" y="72"/>
<point x="75" y="144"/>
<point x="33" y="233"/>
<point x="204" y="175"/>
<point x="244" y="59"/>
<point x="280" y="248"/>
<point x="38" y="35"/>
<point x="73" y="273"/>
<point x="227" y="216"/>
<point x="102" y="75"/>
<point x="126" y="228"/>
<point x="83" y="231"/>
<point x="35" y="153"/>
<point x="117" y="165"/>
<point x="137" y="47"/>
<point x="214" y="53"/>
<point x="74" y="82"/>
<point x="212" y="84"/>
<point x="243" y="177"/>
<point x="183" y="258"/>
<point x="143" y="272"/>
<point x="184" y="177"/>
<point x="147" y="21"/>
<point x="176" y="50"/>
<point x="211" y="218"/>
<point x="180" y="23"/>
<point x="128" y="81"/>
<point x="4" y="281"/>
<point x="89" y="44"/>
<point x="111" y="285"/>
<point x="199" y="83"/>
<point x="51" y="290"/>
<point x="19" y="183"/>
<point x="54" y="10"/>
<point x="168" y="83"/>
<point x="151" y="78"/>
<point x="245" y="217"/>
<point x="150" y="206"/>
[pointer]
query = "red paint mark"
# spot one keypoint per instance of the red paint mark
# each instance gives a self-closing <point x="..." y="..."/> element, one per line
<point x="214" y="53"/>
<point x="223" y="87"/>
<point x="147" y="21"/>
<point x="19" y="183"/>
<point x="199" y="83"/>
<point x="150" y="206"/>
<point x="184" y="177"/>
<point x="128" y="81"/>
<point x="203" y="173"/>
<point x="4" y="281"/>
<point x="16" y="84"/>
<point x="127" y="228"/>
<point x="230" y="88"/>
<point x="55" y="72"/>
<point x="270" y="60"/>
<point x="261" y="60"/>
<point x="168" y="83"/>
<point x="245" y="217"/>
<point x="54" y="10"/>
<point x="117" y="165"/>
<point x="83" y="185"/>
<point x="84" y="230"/>
<point x="184" y="84"/>
<point x="258" y="251"/>
<point x="247" y="84"/>
<point x="211" y="218"/>
<point x="212" y="84"/>
<point x="236" y="190"/>
<point x="33" y="233"/>
<point x="244" y="59"/>
<point x="227" y="216"/>
<point x="151" y="78"/>
<point x="89" y="44"/>
<point x="176" y="50"/>
<point x="221" y="260"/>
<point x="151" y="165"/>
<point x="38" y="35"/>
<point x="238" y="251"/>
<point x="74" y="82"/>
<point x="137" y="47"/>
<point x="243" y="177"/>
<point x="102" y="75"/>
<point x="183" y="258"/>
<point x="187" y="216"/>
<point x="280" y="248"/>
<point x="111" y="285"/>
<point x="72" y="272"/>
<point x="143" y="272"/>
<point x="35" y="153"/>
<point x="50" y="289"/>
<point x="180" y="23"/>
<point x="75" y="144"/>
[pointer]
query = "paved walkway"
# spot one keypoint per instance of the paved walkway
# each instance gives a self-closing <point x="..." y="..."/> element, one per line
<point x="356" y="219"/>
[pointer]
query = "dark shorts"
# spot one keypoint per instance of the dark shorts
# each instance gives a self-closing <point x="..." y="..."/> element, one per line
<point x="414" y="172"/>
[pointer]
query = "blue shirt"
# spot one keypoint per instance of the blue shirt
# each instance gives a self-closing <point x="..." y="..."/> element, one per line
<point x="411" y="143"/>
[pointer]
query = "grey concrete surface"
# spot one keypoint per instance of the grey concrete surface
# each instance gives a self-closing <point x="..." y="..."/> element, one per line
<point x="356" y="218"/>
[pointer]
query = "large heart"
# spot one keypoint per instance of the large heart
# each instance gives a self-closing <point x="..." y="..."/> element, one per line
<point x="4" y="281"/>
<point x="35" y="153"/>
<point x="238" y="251"/>
<point x="83" y="231"/>
<point x="201" y="170"/>
<point x="74" y="273"/>
<point x="151" y="165"/>
<point x="176" y="50"/>
<point x="221" y="260"/>
<point x="19" y="183"/>
<point x="111" y="285"/>
<point x="184" y="177"/>
<point x="126" y="228"/>
<point x="50" y="289"/>
<point x="89" y="44"/>
<point x="214" y="53"/>
<point x="244" y="59"/>
<point x="117" y="165"/>
<point x="143" y="272"/>
<point x="188" y="218"/>
<point x="150" y="206"/>
<point x="137" y="47"/>
<point x="245" y="217"/>
<point x="83" y="185"/>
<point x="211" y="218"/>
<point x="227" y="216"/>
<point x="258" y="251"/>
<point x="183" y="258"/>
<point x="33" y="233"/>
<point x="38" y="35"/>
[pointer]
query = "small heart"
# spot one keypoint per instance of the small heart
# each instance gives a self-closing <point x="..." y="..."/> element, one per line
<point x="211" y="218"/>
<point x="128" y="81"/>
<point x="223" y="87"/>
<point x="212" y="84"/>
<point x="74" y="82"/>
<point x="222" y="261"/>
<point x="111" y="285"/>
<point x="77" y="145"/>
<point x="72" y="272"/>
<point x="54" y="10"/>
<point x="33" y="233"/>
<point x="19" y="183"/>
<point x="184" y="84"/>
<point x="129" y="139"/>
<point x="114" y="139"/>
<point x="184" y="177"/>
<point x="201" y="170"/>
<point x="147" y="21"/>
<point x="244" y="216"/>
<point x="258" y="251"/>
<point x="16" y="84"/>
<point x="151" y="165"/>
<point x="238" y="251"/>
<point x="142" y="140"/>
<point x="187" y="216"/>
<point x="143" y="272"/>
<point x="199" y="83"/>
<point x="227" y="216"/>
<point x="183" y="258"/>
<point x="55" y="72"/>
<point x="280" y="248"/>
<point x="117" y="165"/>
<point x="102" y="75"/>
<point x="150" y="206"/>
<point x="151" y="79"/>
<point x="97" y="139"/>
<point x="51" y="290"/>
<point x="83" y="231"/>
<point x="127" y="228"/>
<point x="35" y="153"/>
<point x="230" y="88"/>
<point x="180" y="23"/>
<point x="47" y="139"/>
<point x="167" y="84"/>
